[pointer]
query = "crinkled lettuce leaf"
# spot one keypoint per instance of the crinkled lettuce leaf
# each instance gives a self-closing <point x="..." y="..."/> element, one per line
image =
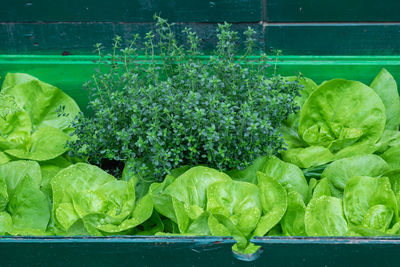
<point x="340" y="171"/>
<point x="392" y="156"/>
<point x="35" y="118"/>
<point x="308" y="157"/>
<point x="274" y="203"/>
<point x="370" y="202"/>
<point x="25" y="208"/>
<point x="289" y="128"/>
<point x="183" y="199"/>
<point x="287" y="174"/>
<point x="385" y="86"/>
<point x="41" y="101"/>
<point x="324" y="217"/>
<point x="347" y="117"/>
<point x="238" y="201"/>
<point x="293" y="221"/>
<point x="86" y="196"/>
<point x="389" y="139"/>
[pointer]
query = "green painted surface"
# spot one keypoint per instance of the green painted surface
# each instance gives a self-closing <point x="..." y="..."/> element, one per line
<point x="299" y="27"/>
<point x="117" y="251"/>
<point x="80" y="38"/>
<point x="328" y="251"/>
<point x="300" y="39"/>
<point x="130" y="11"/>
<point x="334" y="39"/>
<point x="196" y="251"/>
<point x="332" y="11"/>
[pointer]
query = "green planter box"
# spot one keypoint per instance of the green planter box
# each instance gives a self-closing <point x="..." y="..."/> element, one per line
<point x="69" y="73"/>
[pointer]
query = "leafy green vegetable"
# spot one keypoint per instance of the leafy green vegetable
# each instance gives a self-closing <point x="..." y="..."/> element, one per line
<point x="4" y="158"/>
<point x="363" y="200"/>
<point x="394" y="178"/>
<point x="322" y="189"/>
<point x="184" y="199"/>
<point x="389" y="138"/>
<point x="5" y="223"/>
<point x="85" y="195"/>
<point x="49" y="169"/>
<point x="340" y="171"/>
<point x="378" y="217"/>
<point x="289" y="128"/>
<point x="293" y="221"/>
<point x="274" y="203"/>
<point x="308" y="87"/>
<point x="308" y="157"/>
<point x="238" y="201"/>
<point x="288" y="175"/>
<point x="250" y="173"/>
<point x="41" y="101"/>
<point x="391" y="156"/>
<point x="324" y="217"/>
<point x="45" y="144"/>
<point x="347" y="117"/>
<point x="31" y="126"/>
<point x="25" y="208"/>
<point x="385" y="86"/>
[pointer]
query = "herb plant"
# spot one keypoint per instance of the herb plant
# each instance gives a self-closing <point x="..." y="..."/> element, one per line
<point x="180" y="108"/>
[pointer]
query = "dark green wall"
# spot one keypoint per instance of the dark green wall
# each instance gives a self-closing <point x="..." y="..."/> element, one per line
<point x="328" y="27"/>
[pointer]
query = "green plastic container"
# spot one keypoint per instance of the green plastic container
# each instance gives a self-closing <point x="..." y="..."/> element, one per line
<point x="70" y="72"/>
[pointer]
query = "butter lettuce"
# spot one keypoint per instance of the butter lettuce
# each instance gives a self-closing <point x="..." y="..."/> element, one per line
<point x="392" y="156"/>
<point x="370" y="202"/>
<point x="347" y="117"/>
<point x="293" y="220"/>
<point x="23" y="206"/>
<point x="288" y="175"/>
<point x="87" y="200"/>
<point x="385" y="86"/>
<point x="203" y="201"/>
<point x="340" y="171"/>
<point x="324" y="217"/>
<point x="35" y="118"/>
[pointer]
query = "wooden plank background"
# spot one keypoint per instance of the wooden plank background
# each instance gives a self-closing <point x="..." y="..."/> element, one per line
<point x="356" y="27"/>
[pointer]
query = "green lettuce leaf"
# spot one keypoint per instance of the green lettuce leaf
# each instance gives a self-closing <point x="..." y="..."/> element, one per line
<point x="49" y="169"/>
<point x="104" y="204"/>
<point x="293" y="221"/>
<point x="288" y="175"/>
<point x="273" y="201"/>
<point x="340" y="171"/>
<point x="321" y="189"/>
<point x="250" y="173"/>
<point x="21" y="198"/>
<point x="324" y="217"/>
<point x="238" y="201"/>
<point x="41" y="101"/>
<point x="28" y="206"/>
<point x="15" y="125"/>
<point x="184" y="199"/>
<point x="389" y="138"/>
<point x="309" y="86"/>
<point x="35" y="118"/>
<point x="308" y="157"/>
<point x="347" y="117"/>
<point x="385" y="86"/>
<point x="45" y="144"/>
<point x="392" y="156"/>
<point x="363" y="200"/>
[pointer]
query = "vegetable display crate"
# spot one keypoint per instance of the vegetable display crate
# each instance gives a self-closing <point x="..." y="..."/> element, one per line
<point x="70" y="72"/>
